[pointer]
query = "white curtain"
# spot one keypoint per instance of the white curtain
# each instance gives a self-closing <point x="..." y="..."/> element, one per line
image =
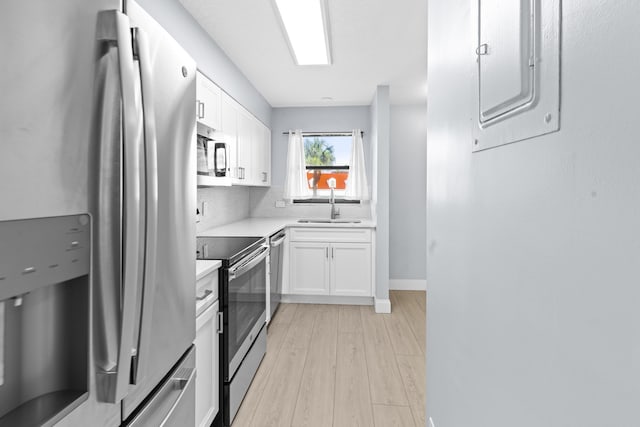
<point x="295" y="182"/>
<point x="357" y="186"/>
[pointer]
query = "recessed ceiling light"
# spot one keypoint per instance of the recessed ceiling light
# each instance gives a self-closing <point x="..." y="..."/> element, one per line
<point x="306" y="27"/>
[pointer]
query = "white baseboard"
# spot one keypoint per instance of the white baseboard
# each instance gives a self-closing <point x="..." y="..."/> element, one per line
<point x="326" y="299"/>
<point x="407" y="285"/>
<point x="382" y="305"/>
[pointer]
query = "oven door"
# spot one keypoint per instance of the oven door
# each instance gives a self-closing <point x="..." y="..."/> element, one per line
<point x="245" y="311"/>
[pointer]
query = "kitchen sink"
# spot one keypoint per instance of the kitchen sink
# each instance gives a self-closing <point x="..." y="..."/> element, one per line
<point x="329" y="221"/>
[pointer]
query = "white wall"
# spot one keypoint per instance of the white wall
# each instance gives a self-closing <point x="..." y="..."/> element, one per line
<point x="534" y="247"/>
<point x="380" y="118"/>
<point x="316" y="119"/>
<point x="407" y="195"/>
<point x="211" y="60"/>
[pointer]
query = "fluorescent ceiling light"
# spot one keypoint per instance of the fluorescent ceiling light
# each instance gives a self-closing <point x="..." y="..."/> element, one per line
<point x="306" y="26"/>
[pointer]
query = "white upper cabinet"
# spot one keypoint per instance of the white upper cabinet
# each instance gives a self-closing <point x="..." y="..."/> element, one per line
<point x="244" y="148"/>
<point x="261" y="155"/>
<point x="208" y="97"/>
<point x="264" y="163"/>
<point x="517" y="55"/>
<point x="229" y="130"/>
<point x="248" y="140"/>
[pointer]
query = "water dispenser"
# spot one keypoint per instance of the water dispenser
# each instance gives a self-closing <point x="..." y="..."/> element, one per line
<point x="44" y="318"/>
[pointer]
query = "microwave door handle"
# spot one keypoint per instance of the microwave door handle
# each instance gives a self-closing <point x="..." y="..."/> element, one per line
<point x="236" y="272"/>
<point x="144" y="321"/>
<point x="114" y="26"/>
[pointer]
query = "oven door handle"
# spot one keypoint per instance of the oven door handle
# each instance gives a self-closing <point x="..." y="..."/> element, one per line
<point x="238" y="271"/>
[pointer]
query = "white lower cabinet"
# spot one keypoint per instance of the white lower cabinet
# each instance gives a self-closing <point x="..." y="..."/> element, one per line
<point x="309" y="268"/>
<point x="351" y="269"/>
<point x="207" y="368"/>
<point x="330" y="268"/>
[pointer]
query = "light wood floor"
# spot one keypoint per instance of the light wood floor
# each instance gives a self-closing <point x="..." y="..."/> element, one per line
<point x="339" y="365"/>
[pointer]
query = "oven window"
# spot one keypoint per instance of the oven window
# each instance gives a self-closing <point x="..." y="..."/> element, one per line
<point x="246" y="306"/>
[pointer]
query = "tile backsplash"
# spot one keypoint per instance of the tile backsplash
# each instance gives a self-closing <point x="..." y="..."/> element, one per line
<point x="263" y="201"/>
<point x="224" y="205"/>
<point x="230" y="204"/>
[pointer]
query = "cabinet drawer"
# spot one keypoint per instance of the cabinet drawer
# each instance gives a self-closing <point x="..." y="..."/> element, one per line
<point x="327" y="234"/>
<point x="206" y="290"/>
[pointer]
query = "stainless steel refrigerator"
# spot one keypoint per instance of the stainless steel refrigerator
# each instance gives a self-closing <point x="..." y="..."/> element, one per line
<point x="97" y="116"/>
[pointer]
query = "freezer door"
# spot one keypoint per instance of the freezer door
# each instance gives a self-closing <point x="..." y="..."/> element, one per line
<point x="165" y="318"/>
<point x="173" y="403"/>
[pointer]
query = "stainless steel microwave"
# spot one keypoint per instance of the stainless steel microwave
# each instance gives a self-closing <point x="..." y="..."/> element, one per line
<point x="212" y="157"/>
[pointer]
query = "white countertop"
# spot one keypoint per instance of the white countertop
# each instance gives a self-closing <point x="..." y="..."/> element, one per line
<point x="265" y="227"/>
<point x="206" y="266"/>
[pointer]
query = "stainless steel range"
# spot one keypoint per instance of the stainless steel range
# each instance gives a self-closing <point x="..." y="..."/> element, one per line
<point x="243" y="342"/>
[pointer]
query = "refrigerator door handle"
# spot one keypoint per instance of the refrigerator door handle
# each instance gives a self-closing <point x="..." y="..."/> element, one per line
<point x="174" y="397"/>
<point x="114" y="28"/>
<point x="147" y="296"/>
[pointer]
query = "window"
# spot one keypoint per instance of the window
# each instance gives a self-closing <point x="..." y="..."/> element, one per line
<point x="327" y="155"/>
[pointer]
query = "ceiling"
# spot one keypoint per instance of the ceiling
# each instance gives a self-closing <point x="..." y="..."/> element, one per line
<point x="373" y="42"/>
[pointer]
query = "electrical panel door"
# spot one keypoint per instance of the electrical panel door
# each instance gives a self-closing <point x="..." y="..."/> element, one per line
<point x="505" y="57"/>
<point x="517" y="53"/>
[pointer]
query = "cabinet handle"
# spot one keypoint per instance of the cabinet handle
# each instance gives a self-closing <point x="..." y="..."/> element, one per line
<point x="332" y="253"/>
<point x="264" y="179"/>
<point x="326" y="252"/>
<point x="207" y="292"/>
<point x="483" y="49"/>
<point x="197" y="109"/>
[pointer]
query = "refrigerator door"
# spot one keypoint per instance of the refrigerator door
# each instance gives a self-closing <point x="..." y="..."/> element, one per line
<point x="166" y="311"/>
<point x="47" y="82"/>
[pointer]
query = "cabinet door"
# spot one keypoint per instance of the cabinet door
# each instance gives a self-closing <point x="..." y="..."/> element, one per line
<point x="264" y="171"/>
<point x="309" y="268"/>
<point x="257" y="153"/>
<point x="229" y="128"/>
<point x="245" y="139"/>
<point x="208" y="102"/>
<point x="207" y="376"/>
<point x="261" y="154"/>
<point x="351" y="269"/>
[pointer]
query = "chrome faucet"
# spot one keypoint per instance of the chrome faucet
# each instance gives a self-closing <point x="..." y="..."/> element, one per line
<point x="332" y="198"/>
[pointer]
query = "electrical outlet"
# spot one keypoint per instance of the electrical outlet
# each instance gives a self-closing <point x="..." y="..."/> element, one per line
<point x="280" y="204"/>
<point x="431" y="423"/>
